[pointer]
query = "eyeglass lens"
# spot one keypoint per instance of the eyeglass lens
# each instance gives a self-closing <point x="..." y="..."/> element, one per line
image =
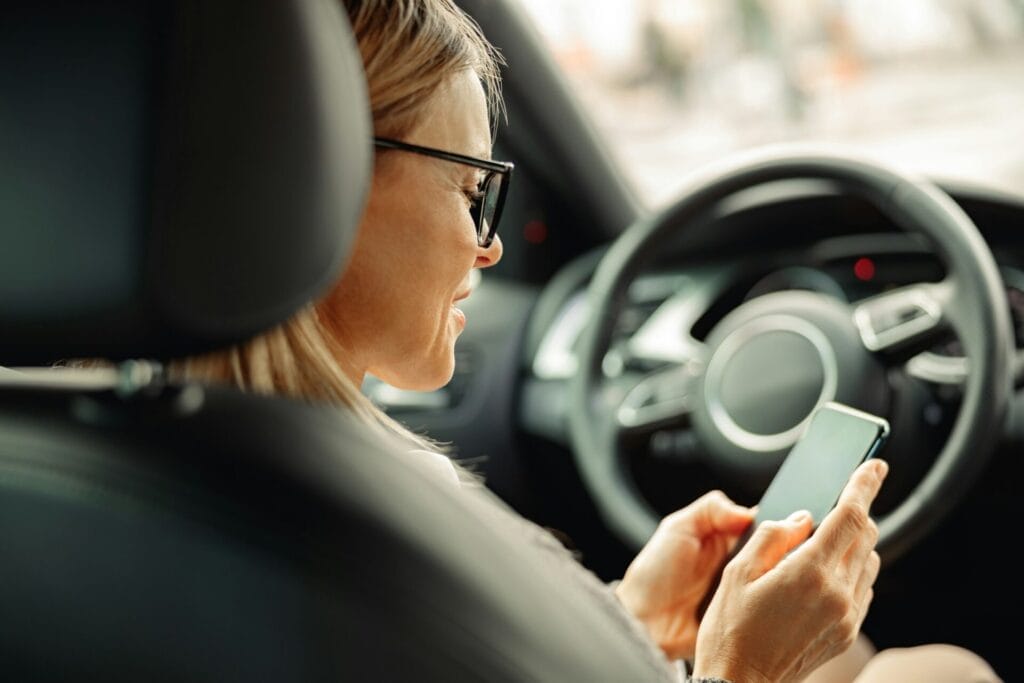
<point x="485" y="211"/>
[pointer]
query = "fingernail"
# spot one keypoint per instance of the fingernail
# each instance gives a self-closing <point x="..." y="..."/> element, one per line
<point x="799" y="516"/>
<point x="883" y="468"/>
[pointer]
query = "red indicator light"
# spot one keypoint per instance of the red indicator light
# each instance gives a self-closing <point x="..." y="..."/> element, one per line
<point x="535" y="232"/>
<point x="864" y="269"/>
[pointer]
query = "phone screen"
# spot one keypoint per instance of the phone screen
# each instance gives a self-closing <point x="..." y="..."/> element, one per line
<point x="814" y="473"/>
<point x="812" y="477"/>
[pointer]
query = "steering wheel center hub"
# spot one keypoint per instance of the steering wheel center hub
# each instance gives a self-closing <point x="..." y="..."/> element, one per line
<point x="766" y="378"/>
<point x="773" y="361"/>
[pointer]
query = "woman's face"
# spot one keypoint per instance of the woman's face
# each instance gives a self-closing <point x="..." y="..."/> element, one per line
<point x="394" y="311"/>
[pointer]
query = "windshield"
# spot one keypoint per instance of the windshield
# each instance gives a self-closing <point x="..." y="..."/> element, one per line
<point x="928" y="86"/>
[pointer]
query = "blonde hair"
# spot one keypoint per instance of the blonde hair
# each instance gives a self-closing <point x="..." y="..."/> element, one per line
<point x="297" y="359"/>
<point x="410" y="48"/>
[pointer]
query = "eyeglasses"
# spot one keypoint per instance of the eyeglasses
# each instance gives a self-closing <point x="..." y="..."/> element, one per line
<point x="486" y="209"/>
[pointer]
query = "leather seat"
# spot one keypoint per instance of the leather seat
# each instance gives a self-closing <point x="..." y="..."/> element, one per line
<point x="176" y="176"/>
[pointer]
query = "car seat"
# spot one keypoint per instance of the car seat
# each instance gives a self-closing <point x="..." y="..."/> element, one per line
<point x="176" y="176"/>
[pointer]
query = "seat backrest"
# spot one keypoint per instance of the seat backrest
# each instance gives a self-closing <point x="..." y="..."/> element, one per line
<point x="177" y="175"/>
<point x="174" y="175"/>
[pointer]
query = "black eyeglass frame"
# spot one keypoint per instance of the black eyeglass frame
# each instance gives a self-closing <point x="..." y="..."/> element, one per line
<point x="484" y="231"/>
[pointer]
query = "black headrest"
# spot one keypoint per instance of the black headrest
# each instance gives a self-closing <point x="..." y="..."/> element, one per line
<point x="174" y="175"/>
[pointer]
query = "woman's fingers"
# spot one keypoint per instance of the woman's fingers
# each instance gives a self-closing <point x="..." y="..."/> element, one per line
<point x="721" y="515"/>
<point x="772" y="541"/>
<point x="858" y="602"/>
<point x="863" y="546"/>
<point x="850" y="521"/>
<point x="865" y="604"/>
<point x="712" y="513"/>
<point x="867" y="577"/>
<point x="780" y="618"/>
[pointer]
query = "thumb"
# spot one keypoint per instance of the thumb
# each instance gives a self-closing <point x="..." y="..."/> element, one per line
<point x="715" y="513"/>
<point x="773" y="540"/>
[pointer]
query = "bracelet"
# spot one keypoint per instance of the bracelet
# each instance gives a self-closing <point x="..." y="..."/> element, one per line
<point x="709" y="680"/>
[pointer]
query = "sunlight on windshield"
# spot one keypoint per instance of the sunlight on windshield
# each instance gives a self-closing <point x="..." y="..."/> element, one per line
<point x="934" y="86"/>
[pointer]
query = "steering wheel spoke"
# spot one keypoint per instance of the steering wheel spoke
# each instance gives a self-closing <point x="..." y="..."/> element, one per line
<point x="938" y="369"/>
<point x="663" y="398"/>
<point x="901" y="325"/>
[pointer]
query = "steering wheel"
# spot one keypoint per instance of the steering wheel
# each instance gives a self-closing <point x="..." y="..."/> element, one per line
<point x="749" y="388"/>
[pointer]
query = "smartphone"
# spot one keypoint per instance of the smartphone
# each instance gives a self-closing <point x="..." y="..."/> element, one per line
<point x="837" y="440"/>
<point x="813" y="475"/>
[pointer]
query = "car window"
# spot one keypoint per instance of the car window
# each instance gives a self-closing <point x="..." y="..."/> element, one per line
<point x="929" y="86"/>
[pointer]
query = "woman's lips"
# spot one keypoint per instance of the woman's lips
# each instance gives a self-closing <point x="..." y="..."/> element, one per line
<point x="460" y="317"/>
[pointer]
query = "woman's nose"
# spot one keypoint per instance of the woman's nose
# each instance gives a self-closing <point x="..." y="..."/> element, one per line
<point x="488" y="256"/>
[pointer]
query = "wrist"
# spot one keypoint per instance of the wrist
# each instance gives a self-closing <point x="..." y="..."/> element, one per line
<point x="634" y="604"/>
<point x="728" y="670"/>
<point x="725" y="678"/>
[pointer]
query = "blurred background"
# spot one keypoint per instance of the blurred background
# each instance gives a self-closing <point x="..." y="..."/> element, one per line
<point x="930" y="86"/>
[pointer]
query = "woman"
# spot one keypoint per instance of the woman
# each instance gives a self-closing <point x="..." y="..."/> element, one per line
<point x="429" y="221"/>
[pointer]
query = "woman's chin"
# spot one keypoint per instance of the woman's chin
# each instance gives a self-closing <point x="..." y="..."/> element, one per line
<point x="429" y="374"/>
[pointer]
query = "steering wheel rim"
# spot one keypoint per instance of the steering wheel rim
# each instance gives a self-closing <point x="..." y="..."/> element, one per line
<point x="913" y="204"/>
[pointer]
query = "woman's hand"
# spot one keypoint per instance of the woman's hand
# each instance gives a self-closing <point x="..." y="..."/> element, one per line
<point x="667" y="580"/>
<point x="778" y="616"/>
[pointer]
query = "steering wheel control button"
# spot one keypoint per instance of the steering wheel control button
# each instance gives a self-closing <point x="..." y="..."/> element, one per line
<point x="894" y="318"/>
<point x="676" y="445"/>
<point x="660" y="398"/>
<point x="766" y="378"/>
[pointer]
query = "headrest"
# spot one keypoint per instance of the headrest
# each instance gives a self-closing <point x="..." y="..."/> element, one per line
<point x="175" y="175"/>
